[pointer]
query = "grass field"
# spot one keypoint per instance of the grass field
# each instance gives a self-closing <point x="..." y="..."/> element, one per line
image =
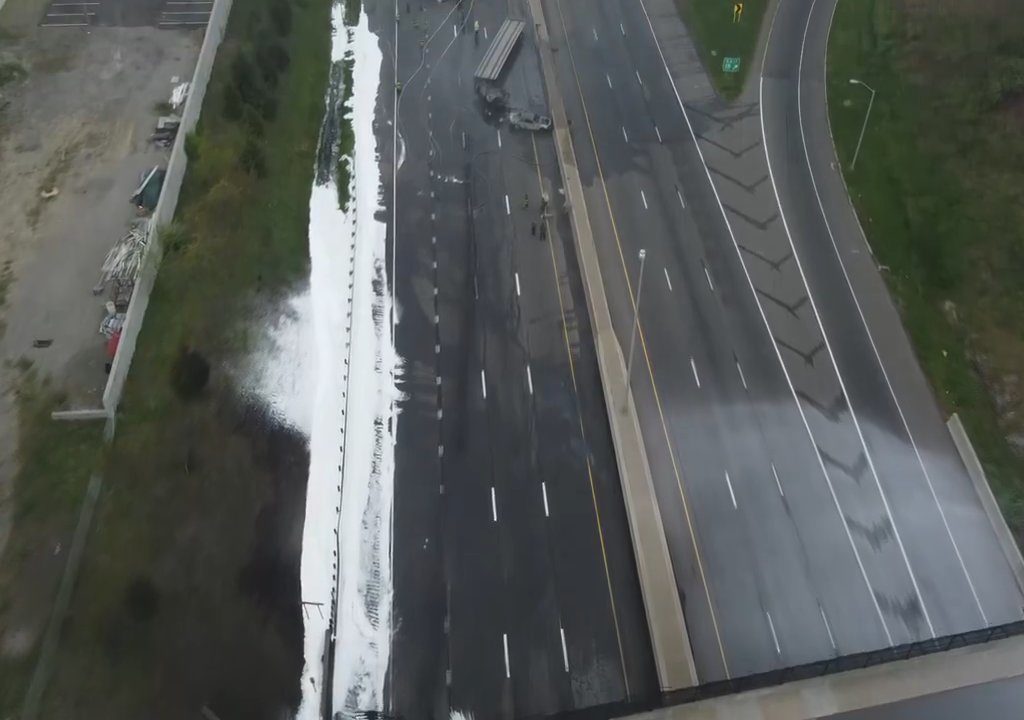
<point x="188" y="592"/>
<point x="718" y="37"/>
<point x="939" y="186"/>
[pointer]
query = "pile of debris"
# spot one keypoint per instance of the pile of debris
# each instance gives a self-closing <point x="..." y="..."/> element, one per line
<point x="120" y="271"/>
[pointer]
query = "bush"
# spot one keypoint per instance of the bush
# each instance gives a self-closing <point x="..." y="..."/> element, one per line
<point x="192" y="145"/>
<point x="253" y="159"/>
<point x="189" y="374"/>
<point x="281" y="17"/>
<point x="253" y="122"/>
<point x="232" y="106"/>
<point x="268" y="108"/>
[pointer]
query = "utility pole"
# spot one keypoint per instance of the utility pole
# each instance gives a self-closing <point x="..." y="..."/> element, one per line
<point x="636" y="324"/>
<point x="855" y="81"/>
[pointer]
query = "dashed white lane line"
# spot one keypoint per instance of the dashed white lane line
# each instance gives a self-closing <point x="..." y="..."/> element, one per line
<point x="667" y="280"/>
<point x="643" y="197"/>
<point x="499" y="138"/>
<point x="494" y="505"/>
<point x="565" y="653"/>
<point x="743" y="379"/>
<point x="622" y="29"/>
<point x="777" y="483"/>
<point x="594" y="30"/>
<point x="657" y="132"/>
<point x="707" y="274"/>
<point x="508" y="210"/>
<point x="485" y="33"/>
<point x="504" y="641"/>
<point x="463" y="140"/>
<point x="518" y="291"/>
<point x="455" y="31"/>
<point x="544" y="492"/>
<point x="693" y="366"/>
<point x="775" y="638"/>
<point x="732" y="495"/>
<point x="680" y="196"/>
<point x="609" y="79"/>
<point x="483" y="383"/>
<point x="828" y="629"/>
<point x="624" y="135"/>
<point x="638" y="78"/>
<point x="529" y="379"/>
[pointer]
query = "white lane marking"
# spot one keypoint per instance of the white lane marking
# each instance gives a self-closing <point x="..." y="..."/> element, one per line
<point x="680" y="196"/>
<point x="693" y="366"/>
<point x="455" y="31"/>
<point x="504" y="641"/>
<point x="771" y="626"/>
<point x="638" y="78"/>
<point x="828" y="629"/>
<point x="508" y="210"/>
<point x="476" y="288"/>
<point x="764" y="319"/>
<point x="86" y="4"/>
<point x="565" y="653"/>
<point x="644" y="198"/>
<point x="658" y="133"/>
<point x="494" y="505"/>
<point x="624" y="135"/>
<point x="483" y="383"/>
<point x="594" y="30"/>
<point x="518" y="291"/>
<point x="835" y="365"/>
<point x="742" y="378"/>
<point x="707" y="274"/>
<point x="544" y="492"/>
<point x="609" y="79"/>
<point x="529" y="379"/>
<point x="85" y="24"/>
<point x="732" y="495"/>
<point x="667" y="280"/>
<point x="499" y="138"/>
<point x="622" y="29"/>
<point x="778" y="484"/>
<point x="485" y="32"/>
<point x="463" y="140"/>
<point x="867" y="330"/>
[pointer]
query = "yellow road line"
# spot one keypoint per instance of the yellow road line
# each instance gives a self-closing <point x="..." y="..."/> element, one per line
<point x="583" y="434"/>
<point x="643" y="344"/>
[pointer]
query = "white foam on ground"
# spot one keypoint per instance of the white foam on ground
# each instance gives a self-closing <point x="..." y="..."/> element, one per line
<point x="364" y="425"/>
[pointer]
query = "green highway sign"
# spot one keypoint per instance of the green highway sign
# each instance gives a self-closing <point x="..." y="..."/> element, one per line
<point x="730" y="64"/>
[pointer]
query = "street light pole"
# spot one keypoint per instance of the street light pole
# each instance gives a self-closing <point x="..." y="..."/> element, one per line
<point x="855" y="81"/>
<point x="636" y="323"/>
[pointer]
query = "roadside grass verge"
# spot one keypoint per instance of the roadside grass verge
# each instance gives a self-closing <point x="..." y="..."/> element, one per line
<point x="188" y="591"/>
<point x="939" y="188"/>
<point x="56" y="463"/>
<point x="718" y="38"/>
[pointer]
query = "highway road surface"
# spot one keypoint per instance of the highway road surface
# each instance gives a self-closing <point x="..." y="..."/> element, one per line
<point x="1001" y="700"/>
<point x="515" y="585"/>
<point x="811" y="512"/>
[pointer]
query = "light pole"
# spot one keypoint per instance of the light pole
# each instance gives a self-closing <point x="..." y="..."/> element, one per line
<point x="636" y="323"/>
<point x="855" y="81"/>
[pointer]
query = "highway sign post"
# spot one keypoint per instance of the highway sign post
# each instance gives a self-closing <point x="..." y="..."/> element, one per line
<point x="730" y="64"/>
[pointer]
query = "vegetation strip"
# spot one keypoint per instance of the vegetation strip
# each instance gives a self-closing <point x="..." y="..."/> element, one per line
<point x="188" y="589"/>
<point x="938" y="187"/>
<point x="725" y="38"/>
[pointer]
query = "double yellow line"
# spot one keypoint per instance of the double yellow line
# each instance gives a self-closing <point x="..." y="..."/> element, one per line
<point x="643" y="344"/>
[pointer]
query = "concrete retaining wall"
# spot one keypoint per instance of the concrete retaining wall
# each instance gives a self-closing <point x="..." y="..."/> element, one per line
<point x="164" y="212"/>
<point x="988" y="501"/>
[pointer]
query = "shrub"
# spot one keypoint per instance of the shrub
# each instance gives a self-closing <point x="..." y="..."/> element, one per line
<point x="192" y="146"/>
<point x="281" y="17"/>
<point x="232" y="106"/>
<point x="253" y="159"/>
<point x="189" y="374"/>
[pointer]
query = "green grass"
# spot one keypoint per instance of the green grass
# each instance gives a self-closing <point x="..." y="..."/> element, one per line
<point x="718" y="37"/>
<point x="940" y="190"/>
<point x="187" y="483"/>
<point x="56" y="462"/>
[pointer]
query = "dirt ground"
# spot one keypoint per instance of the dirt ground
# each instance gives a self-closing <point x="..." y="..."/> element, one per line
<point x="75" y="116"/>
